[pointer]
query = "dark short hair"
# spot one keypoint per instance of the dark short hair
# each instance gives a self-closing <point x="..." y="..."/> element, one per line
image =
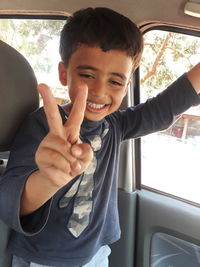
<point x="101" y="27"/>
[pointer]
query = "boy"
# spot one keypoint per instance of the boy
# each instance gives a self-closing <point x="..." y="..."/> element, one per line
<point x="60" y="187"/>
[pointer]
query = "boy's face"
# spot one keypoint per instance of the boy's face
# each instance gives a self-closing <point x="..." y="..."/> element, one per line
<point x="107" y="75"/>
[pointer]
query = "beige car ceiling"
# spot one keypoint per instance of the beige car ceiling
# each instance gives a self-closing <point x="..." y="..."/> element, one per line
<point x="140" y="11"/>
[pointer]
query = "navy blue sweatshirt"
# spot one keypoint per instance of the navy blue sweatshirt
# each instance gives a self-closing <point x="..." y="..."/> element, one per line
<point x="42" y="236"/>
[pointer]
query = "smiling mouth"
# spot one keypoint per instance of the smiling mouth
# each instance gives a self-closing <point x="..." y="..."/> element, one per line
<point x="96" y="107"/>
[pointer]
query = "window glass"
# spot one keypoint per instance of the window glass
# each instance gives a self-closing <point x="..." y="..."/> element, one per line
<point x="38" y="41"/>
<point x="170" y="159"/>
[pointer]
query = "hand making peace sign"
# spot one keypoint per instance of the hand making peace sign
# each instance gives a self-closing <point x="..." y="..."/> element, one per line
<point x="61" y="156"/>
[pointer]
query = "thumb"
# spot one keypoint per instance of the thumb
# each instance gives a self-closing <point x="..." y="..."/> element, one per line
<point x="82" y="151"/>
<point x="83" y="154"/>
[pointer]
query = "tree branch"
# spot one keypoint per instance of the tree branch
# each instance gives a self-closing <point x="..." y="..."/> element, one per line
<point x="159" y="55"/>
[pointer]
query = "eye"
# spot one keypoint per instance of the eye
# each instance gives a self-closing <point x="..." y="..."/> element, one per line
<point x="116" y="83"/>
<point x="86" y="75"/>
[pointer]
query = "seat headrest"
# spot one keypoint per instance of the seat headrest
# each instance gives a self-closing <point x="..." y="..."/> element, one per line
<point x="18" y="93"/>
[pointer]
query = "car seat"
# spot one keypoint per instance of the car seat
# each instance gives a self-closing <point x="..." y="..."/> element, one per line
<point x="19" y="97"/>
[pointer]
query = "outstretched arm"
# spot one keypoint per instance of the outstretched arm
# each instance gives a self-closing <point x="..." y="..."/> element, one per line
<point x="60" y="156"/>
<point x="194" y="77"/>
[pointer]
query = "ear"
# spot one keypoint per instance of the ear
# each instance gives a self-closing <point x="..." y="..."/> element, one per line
<point x="62" y="73"/>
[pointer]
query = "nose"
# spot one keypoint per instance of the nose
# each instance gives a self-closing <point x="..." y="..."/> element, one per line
<point x="98" y="89"/>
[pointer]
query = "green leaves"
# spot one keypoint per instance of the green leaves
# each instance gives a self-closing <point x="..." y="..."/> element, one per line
<point x="166" y="56"/>
<point x="32" y="38"/>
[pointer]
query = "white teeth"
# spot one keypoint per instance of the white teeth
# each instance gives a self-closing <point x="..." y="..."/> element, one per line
<point x="96" y="106"/>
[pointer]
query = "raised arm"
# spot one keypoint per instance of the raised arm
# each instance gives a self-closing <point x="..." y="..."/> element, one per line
<point x="194" y="77"/>
<point x="60" y="156"/>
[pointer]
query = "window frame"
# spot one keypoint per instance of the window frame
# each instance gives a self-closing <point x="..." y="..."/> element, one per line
<point x="135" y="100"/>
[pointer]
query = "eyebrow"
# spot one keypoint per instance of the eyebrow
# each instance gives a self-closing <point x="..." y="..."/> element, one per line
<point x="88" y="67"/>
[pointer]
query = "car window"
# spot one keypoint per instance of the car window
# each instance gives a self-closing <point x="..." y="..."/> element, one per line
<point x="38" y="41"/>
<point x="170" y="158"/>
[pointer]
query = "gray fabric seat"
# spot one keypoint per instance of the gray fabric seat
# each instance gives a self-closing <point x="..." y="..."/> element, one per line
<point x="18" y="97"/>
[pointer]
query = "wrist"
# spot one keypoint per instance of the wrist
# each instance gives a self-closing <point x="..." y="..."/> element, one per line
<point x="37" y="191"/>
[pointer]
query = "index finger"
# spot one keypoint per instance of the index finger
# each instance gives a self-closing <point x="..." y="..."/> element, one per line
<point x="51" y="110"/>
<point x="76" y="115"/>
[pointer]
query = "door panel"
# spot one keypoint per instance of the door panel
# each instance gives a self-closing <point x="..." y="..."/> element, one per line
<point x="123" y="250"/>
<point x="167" y="250"/>
<point x="161" y="214"/>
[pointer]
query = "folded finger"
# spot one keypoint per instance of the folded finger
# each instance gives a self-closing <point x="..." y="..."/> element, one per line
<point x="59" y="145"/>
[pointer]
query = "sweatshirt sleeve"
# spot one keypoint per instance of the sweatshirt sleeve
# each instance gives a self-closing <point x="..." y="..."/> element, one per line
<point x="158" y="113"/>
<point x="21" y="164"/>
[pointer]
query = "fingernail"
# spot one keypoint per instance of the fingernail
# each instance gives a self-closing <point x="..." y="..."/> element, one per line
<point x="76" y="151"/>
<point x="78" y="166"/>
